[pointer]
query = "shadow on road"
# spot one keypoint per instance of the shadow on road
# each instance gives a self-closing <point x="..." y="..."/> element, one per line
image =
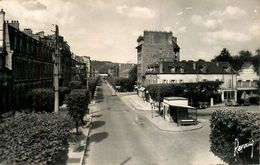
<point x="97" y="124"/>
<point x="125" y="161"/>
<point x="98" y="137"/>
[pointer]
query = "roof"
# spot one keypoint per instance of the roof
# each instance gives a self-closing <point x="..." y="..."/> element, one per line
<point x="190" y="67"/>
<point x="174" y="98"/>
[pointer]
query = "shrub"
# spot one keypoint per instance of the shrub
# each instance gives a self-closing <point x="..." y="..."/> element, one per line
<point x="42" y="99"/>
<point x="228" y="125"/>
<point x="63" y="91"/>
<point x="77" y="105"/>
<point x="35" y="138"/>
<point x="75" y="85"/>
<point x="254" y="100"/>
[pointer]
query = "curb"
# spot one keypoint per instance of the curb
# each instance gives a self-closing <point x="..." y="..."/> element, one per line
<point x="87" y="138"/>
<point x="192" y="129"/>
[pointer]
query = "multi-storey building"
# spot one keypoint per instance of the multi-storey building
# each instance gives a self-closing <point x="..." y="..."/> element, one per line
<point x="124" y="70"/>
<point x="113" y="71"/>
<point x="152" y="47"/>
<point x="26" y="64"/>
<point x="247" y="82"/>
<point x="87" y="61"/>
<point x="189" y="71"/>
<point x="80" y="69"/>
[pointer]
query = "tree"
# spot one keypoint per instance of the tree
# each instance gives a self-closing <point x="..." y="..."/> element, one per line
<point x="256" y="60"/>
<point x="133" y="75"/>
<point x="245" y="56"/>
<point x="159" y="91"/>
<point x="224" y="56"/>
<point x="199" y="91"/>
<point x="77" y="105"/>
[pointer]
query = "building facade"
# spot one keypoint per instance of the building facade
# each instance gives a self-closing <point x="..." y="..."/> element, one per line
<point x="124" y="70"/>
<point x="247" y="82"/>
<point x="152" y="47"/>
<point x="87" y="61"/>
<point x="187" y="72"/>
<point x="26" y="63"/>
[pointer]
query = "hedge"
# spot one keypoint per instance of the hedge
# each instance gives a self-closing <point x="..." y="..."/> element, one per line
<point x="126" y="84"/>
<point x="41" y="99"/>
<point x="35" y="138"/>
<point x="63" y="91"/>
<point x="226" y="126"/>
<point x="75" y="85"/>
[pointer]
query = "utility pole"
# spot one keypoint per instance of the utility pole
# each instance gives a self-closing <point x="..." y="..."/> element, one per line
<point x="56" y="71"/>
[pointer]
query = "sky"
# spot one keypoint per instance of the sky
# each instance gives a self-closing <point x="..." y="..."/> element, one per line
<point x="108" y="29"/>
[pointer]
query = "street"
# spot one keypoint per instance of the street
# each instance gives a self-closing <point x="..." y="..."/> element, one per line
<point x="121" y="135"/>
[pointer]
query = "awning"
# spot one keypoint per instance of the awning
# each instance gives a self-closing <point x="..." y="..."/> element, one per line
<point x="181" y="106"/>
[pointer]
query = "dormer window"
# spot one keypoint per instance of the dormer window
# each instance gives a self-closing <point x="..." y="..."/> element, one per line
<point x="173" y="69"/>
<point x="227" y="68"/>
<point x="203" y="68"/>
<point x="182" y="69"/>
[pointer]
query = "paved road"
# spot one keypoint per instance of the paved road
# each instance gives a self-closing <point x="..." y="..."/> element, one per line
<point x="121" y="136"/>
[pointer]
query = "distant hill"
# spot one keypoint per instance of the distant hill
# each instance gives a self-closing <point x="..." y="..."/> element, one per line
<point x="102" y="66"/>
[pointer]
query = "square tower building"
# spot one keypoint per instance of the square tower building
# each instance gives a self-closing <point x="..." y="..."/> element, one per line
<point x="155" y="46"/>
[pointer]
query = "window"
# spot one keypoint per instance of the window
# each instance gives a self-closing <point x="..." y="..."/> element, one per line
<point x="182" y="70"/>
<point x="204" y="80"/>
<point x="172" y="81"/>
<point x="239" y="83"/>
<point x="181" y="81"/>
<point x="247" y="83"/>
<point x="165" y="81"/>
<point x="172" y="69"/>
<point x="254" y="83"/>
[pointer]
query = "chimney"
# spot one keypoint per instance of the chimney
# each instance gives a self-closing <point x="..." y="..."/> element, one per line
<point x="41" y="34"/>
<point x="36" y="36"/>
<point x="15" y="24"/>
<point x="194" y="65"/>
<point x="28" y="32"/>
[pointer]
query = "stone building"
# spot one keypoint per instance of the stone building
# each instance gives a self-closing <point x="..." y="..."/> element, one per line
<point x="124" y="70"/>
<point x="87" y="61"/>
<point x="189" y="71"/>
<point x="247" y="82"/>
<point x="152" y="47"/>
<point x="26" y="63"/>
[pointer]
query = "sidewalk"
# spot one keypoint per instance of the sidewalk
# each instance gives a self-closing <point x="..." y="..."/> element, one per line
<point x="77" y="151"/>
<point x="143" y="108"/>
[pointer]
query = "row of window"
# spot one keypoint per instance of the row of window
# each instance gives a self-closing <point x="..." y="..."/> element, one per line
<point x="28" y="46"/>
<point x="32" y="70"/>
<point x="246" y="84"/>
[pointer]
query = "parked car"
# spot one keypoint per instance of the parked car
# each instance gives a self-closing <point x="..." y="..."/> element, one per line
<point x="113" y="93"/>
<point x="244" y="102"/>
<point x="203" y="105"/>
<point x="231" y="102"/>
<point x="254" y="100"/>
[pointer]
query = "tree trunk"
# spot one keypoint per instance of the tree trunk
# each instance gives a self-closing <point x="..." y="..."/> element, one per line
<point x="159" y="107"/>
<point x="77" y="127"/>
